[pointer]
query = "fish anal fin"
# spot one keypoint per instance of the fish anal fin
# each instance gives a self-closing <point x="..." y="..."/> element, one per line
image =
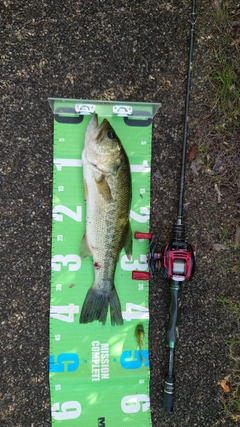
<point x="104" y="189"/>
<point x="84" y="248"/>
<point x="128" y="242"/>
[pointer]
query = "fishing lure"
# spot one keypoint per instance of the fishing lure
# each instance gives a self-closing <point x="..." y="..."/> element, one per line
<point x="139" y="334"/>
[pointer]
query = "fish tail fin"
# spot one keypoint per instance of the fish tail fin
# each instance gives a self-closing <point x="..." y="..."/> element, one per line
<point x="95" y="307"/>
<point x="115" y="308"/>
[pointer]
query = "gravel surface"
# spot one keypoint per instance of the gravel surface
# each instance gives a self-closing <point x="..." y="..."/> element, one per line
<point x="124" y="50"/>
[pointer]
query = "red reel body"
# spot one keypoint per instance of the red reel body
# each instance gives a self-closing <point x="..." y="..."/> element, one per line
<point x="178" y="261"/>
<point x="175" y="261"/>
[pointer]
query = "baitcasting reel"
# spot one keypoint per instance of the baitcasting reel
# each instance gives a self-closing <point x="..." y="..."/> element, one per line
<point x="176" y="260"/>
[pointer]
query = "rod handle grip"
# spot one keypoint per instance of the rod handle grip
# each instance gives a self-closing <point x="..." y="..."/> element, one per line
<point x="169" y="393"/>
<point x="175" y="305"/>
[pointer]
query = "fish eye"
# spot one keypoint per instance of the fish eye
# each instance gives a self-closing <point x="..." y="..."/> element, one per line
<point x="111" y="134"/>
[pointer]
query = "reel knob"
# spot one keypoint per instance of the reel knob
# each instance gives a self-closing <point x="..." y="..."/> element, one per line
<point x="140" y="275"/>
<point x="138" y="235"/>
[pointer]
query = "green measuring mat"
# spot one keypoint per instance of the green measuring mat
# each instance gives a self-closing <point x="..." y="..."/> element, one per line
<point x="99" y="374"/>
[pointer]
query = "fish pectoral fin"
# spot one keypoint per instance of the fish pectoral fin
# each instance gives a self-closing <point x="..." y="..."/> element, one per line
<point x="103" y="188"/>
<point x="117" y="165"/>
<point x="84" y="248"/>
<point x="128" y="242"/>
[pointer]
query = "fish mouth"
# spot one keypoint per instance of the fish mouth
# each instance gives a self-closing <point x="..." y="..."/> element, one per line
<point x="95" y="130"/>
<point x="101" y="129"/>
<point x="93" y="124"/>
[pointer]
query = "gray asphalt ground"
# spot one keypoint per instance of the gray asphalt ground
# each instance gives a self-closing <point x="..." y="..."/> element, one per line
<point x="125" y="50"/>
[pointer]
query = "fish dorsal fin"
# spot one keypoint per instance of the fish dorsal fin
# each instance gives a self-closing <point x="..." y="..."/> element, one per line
<point x="103" y="188"/>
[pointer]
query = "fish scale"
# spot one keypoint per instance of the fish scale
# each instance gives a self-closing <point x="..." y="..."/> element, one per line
<point x="107" y="179"/>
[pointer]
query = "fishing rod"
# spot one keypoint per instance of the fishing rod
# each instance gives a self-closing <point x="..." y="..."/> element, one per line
<point x="176" y="260"/>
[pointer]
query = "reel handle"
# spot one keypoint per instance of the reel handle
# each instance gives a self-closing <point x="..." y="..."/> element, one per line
<point x="140" y="275"/>
<point x="153" y="257"/>
<point x="139" y="235"/>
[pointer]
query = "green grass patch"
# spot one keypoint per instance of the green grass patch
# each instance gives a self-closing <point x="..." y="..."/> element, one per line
<point x="230" y="305"/>
<point x="225" y="74"/>
<point x="219" y="146"/>
<point x="225" y="80"/>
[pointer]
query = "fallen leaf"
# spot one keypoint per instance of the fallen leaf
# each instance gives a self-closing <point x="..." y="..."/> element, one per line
<point x="224" y="386"/>
<point x="192" y="153"/>
<point x="217" y="167"/>
<point x="196" y="165"/>
<point x="194" y="168"/>
<point x="219" y="246"/>
<point x="71" y="286"/>
<point x="235" y="268"/>
<point x="217" y="4"/>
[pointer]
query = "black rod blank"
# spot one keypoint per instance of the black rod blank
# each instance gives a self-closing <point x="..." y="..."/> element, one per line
<point x="184" y="148"/>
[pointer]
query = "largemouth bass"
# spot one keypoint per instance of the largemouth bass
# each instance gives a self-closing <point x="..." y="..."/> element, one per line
<point x="107" y="182"/>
